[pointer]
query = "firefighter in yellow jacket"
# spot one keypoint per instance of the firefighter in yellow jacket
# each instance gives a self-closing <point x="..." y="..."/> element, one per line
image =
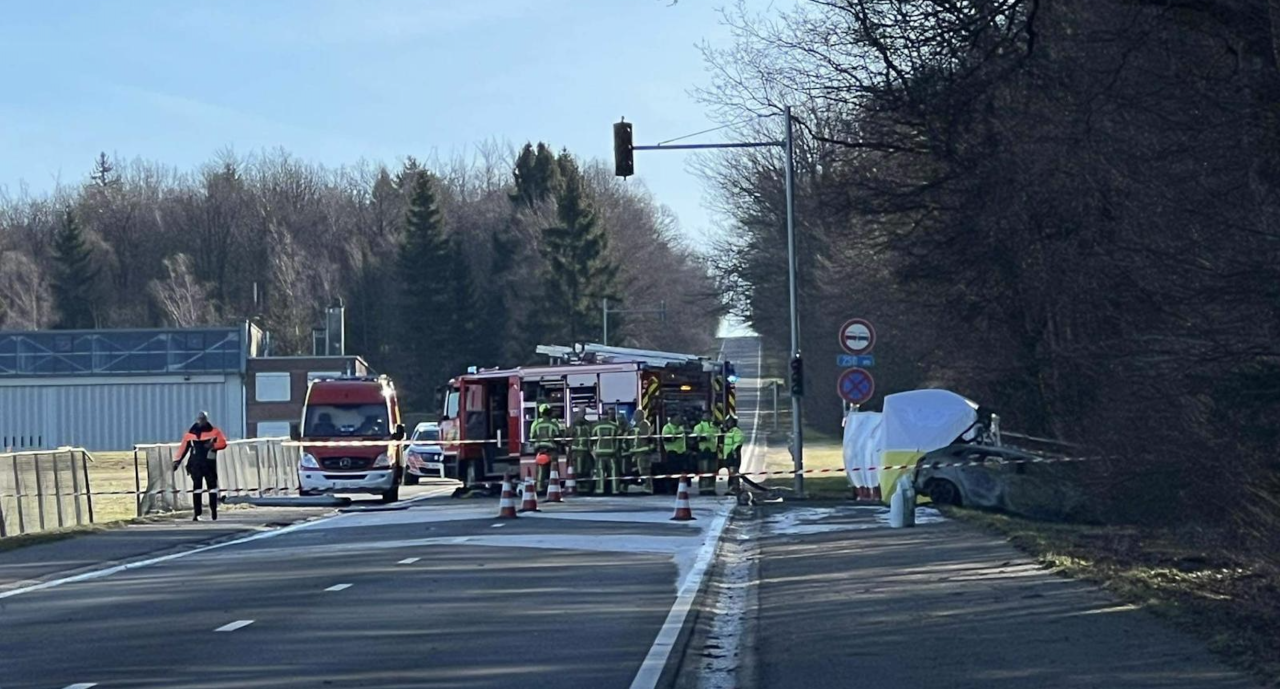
<point x="644" y="449"/>
<point x="706" y="436"/>
<point x="606" y="447"/>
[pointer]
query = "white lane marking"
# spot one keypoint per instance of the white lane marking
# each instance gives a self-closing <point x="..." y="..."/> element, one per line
<point x="100" y="573"/>
<point x="651" y="669"/>
<point x="238" y="624"/>
<point x="497" y="526"/>
<point x="82" y="685"/>
<point x="408" y="561"/>
<point x="339" y="587"/>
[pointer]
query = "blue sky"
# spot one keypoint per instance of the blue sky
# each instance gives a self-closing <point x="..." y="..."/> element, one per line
<point x="336" y="81"/>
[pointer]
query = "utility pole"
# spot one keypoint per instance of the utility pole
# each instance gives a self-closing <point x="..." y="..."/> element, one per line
<point x="797" y="426"/>
<point x="605" y="311"/>
<point x="624" y="166"/>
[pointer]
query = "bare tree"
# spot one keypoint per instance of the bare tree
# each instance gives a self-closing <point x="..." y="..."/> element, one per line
<point x="184" y="300"/>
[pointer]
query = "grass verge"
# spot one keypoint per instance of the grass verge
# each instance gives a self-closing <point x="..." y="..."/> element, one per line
<point x="821" y="451"/>
<point x="1182" y="574"/>
<point x="112" y="472"/>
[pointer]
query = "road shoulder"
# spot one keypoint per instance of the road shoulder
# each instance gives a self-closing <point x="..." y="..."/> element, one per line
<point x="843" y="597"/>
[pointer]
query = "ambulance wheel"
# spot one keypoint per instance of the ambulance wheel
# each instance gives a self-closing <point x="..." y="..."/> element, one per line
<point x="392" y="494"/>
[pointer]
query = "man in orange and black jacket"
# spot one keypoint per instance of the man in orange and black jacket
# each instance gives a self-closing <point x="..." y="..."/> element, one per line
<point x="200" y="448"/>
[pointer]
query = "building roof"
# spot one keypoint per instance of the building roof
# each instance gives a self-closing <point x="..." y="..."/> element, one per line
<point x="188" y="351"/>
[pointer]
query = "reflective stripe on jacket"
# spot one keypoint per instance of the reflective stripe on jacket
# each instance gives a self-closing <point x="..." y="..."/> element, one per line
<point x="706" y="434"/>
<point x="732" y="441"/>
<point x="673" y="438"/>
<point x="545" y="433"/>
<point x="582" y="437"/>
<point x="643" y="441"/>
<point x="605" y="435"/>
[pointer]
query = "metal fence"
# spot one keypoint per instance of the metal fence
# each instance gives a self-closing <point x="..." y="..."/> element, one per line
<point x="44" y="490"/>
<point x="246" y="467"/>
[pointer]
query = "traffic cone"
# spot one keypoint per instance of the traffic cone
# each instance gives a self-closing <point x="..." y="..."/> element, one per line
<point x="553" y="485"/>
<point x="507" y="503"/>
<point x="530" y="503"/>
<point x="570" y="483"/>
<point x="683" y="512"/>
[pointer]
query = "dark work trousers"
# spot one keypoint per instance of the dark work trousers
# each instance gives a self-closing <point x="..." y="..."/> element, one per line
<point x="204" y="474"/>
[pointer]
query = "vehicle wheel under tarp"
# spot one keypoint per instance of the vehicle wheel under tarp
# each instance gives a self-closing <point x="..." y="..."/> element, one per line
<point x="944" y="492"/>
<point x="410" y="478"/>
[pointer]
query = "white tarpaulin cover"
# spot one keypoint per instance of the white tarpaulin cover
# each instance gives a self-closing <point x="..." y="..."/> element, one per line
<point x="862" y="447"/>
<point x="912" y="424"/>
<point x="925" y="420"/>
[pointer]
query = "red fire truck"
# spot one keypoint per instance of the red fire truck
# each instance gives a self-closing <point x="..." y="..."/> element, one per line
<point x="487" y="413"/>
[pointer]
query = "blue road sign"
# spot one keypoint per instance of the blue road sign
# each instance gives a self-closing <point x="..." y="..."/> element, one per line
<point x="856" y="385"/>
<point x="851" y="360"/>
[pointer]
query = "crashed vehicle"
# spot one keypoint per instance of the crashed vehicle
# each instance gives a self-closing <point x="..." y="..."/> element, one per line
<point x="1000" y="478"/>
<point x="953" y="451"/>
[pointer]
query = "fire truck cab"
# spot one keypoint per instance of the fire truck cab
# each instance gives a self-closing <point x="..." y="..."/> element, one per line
<point x="487" y="413"/>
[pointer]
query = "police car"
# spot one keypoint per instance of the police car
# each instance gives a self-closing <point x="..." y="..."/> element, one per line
<point x="425" y="456"/>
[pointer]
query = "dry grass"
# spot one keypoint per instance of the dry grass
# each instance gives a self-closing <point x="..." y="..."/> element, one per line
<point x="113" y="472"/>
<point x="1228" y="597"/>
<point x="821" y="451"/>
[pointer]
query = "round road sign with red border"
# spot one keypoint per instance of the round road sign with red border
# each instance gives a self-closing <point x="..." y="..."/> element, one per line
<point x="856" y="385"/>
<point x="857" y="336"/>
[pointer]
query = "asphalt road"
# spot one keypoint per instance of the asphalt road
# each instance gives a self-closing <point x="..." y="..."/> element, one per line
<point x="440" y="593"/>
<point x="586" y="594"/>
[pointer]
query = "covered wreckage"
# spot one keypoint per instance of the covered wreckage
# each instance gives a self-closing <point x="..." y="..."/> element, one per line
<point x="954" y="455"/>
<point x="912" y="424"/>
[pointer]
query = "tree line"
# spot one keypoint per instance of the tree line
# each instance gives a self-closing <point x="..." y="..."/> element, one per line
<point x="459" y="263"/>
<point x="1067" y="211"/>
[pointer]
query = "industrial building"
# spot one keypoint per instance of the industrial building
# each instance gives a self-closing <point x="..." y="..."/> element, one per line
<point x="112" y="389"/>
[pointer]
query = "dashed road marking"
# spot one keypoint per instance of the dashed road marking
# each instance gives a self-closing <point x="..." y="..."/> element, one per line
<point x="82" y="685"/>
<point x="238" y="624"/>
<point x="408" y="561"/>
<point x="497" y="526"/>
<point x="339" y="587"/>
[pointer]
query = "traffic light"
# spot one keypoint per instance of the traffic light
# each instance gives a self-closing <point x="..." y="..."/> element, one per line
<point x="797" y="377"/>
<point x="624" y="163"/>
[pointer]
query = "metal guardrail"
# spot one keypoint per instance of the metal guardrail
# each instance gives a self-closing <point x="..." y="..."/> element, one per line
<point x="265" y="466"/>
<point x="44" y="490"/>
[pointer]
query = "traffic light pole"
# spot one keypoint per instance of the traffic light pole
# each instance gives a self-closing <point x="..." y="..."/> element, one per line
<point x="624" y="167"/>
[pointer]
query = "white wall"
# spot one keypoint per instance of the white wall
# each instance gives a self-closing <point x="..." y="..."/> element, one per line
<point x="115" y="412"/>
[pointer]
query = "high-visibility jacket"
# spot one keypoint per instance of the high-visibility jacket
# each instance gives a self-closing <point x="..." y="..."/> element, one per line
<point x="605" y="436"/>
<point x="545" y="433"/>
<point x="732" y="441"/>
<point x="705" y="431"/>
<point x="201" y="442"/>
<point x="642" y="443"/>
<point x="582" y="437"/>
<point x="673" y="438"/>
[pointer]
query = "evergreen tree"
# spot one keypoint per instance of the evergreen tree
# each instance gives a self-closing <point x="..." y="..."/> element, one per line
<point x="578" y="271"/>
<point x="438" y="305"/>
<point x="537" y="176"/>
<point x="494" y="300"/>
<point x="75" y="276"/>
